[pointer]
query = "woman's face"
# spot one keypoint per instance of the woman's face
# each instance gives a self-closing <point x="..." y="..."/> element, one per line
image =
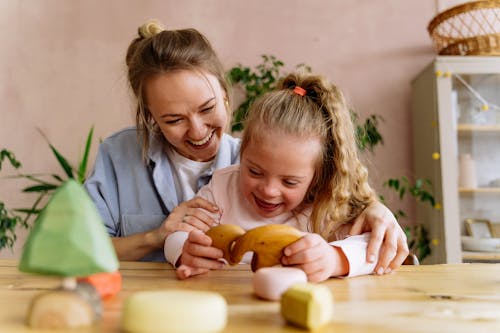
<point x="276" y="172"/>
<point x="189" y="108"/>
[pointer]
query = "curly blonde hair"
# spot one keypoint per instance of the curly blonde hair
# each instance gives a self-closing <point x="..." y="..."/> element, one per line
<point x="158" y="51"/>
<point x="339" y="191"/>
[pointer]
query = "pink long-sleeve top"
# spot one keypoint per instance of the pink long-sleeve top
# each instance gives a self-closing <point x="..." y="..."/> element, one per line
<point x="224" y="191"/>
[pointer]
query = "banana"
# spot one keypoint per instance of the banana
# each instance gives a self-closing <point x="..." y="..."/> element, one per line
<point x="267" y="243"/>
<point x="223" y="237"/>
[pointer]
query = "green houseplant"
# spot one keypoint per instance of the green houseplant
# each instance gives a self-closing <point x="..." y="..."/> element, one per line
<point x="264" y="77"/>
<point x="41" y="184"/>
<point x="421" y="191"/>
<point x="256" y="82"/>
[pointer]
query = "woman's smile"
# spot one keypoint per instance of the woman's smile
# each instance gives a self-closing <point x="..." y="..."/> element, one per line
<point x="190" y="111"/>
<point x="203" y="143"/>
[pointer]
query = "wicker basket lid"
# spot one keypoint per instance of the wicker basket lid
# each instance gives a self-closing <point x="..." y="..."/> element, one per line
<point x="472" y="28"/>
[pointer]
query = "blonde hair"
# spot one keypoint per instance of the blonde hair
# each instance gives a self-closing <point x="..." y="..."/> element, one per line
<point x="339" y="190"/>
<point x="158" y="51"/>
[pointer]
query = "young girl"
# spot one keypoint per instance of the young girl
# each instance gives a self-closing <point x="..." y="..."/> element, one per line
<point x="299" y="166"/>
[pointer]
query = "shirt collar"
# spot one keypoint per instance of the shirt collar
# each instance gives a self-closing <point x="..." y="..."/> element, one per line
<point x="155" y="149"/>
<point x="222" y="159"/>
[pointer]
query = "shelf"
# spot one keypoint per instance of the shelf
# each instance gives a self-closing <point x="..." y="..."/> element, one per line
<point x="469" y="128"/>
<point x="464" y="190"/>
<point x="482" y="256"/>
<point x="451" y="106"/>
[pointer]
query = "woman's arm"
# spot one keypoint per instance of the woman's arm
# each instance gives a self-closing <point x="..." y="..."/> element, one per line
<point x="134" y="215"/>
<point x="135" y="247"/>
<point x="185" y="217"/>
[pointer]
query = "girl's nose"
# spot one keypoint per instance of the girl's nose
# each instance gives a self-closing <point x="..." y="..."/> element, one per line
<point x="269" y="189"/>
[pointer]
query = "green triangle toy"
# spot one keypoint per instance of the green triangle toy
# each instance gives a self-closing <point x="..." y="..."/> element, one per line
<point x="68" y="237"/>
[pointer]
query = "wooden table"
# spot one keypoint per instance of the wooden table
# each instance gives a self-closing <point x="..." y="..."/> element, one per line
<point x="434" y="298"/>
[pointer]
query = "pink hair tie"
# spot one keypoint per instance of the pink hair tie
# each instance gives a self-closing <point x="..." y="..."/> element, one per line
<point x="299" y="91"/>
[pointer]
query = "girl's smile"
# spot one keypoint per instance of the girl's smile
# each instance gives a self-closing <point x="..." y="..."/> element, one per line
<point x="276" y="171"/>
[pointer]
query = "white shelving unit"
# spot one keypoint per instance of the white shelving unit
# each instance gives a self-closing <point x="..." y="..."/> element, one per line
<point x="450" y="118"/>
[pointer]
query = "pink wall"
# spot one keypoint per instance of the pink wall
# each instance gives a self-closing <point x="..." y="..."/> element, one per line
<point x="62" y="67"/>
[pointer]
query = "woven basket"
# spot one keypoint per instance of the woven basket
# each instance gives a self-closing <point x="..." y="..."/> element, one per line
<point x="472" y="28"/>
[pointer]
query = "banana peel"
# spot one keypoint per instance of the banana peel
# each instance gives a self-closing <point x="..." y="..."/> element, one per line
<point x="267" y="242"/>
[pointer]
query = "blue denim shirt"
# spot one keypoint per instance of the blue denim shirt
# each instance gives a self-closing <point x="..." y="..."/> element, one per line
<point x="133" y="196"/>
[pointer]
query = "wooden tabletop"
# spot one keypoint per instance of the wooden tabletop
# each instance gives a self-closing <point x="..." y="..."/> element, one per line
<point x="426" y="298"/>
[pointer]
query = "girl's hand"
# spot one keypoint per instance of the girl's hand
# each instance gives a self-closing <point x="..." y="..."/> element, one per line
<point x="318" y="259"/>
<point x="387" y="236"/>
<point x="186" y="217"/>
<point x="198" y="256"/>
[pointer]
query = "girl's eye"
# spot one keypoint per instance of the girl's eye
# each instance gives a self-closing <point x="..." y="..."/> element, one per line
<point x="254" y="172"/>
<point x="290" y="182"/>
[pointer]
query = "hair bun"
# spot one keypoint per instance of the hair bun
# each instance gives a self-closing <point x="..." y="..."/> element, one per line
<point x="150" y="28"/>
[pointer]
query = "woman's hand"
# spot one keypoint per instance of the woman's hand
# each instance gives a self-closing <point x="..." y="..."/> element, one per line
<point x="387" y="236"/>
<point x="186" y="217"/>
<point x="318" y="259"/>
<point x="198" y="256"/>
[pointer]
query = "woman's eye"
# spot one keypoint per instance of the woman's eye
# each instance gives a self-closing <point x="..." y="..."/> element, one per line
<point x="173" y="121"/>
<point x="290" y="182"/>
<point x="208" y="109"/>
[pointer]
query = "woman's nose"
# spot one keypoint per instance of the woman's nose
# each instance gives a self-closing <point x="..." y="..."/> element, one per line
<point x="197" y="129"/>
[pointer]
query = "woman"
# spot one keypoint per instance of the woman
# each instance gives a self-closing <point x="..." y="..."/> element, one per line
<point x="145" y="178"/>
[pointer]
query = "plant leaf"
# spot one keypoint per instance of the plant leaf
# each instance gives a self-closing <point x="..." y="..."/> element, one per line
<point x="27" y="210"/>
<point x="63" y="162"/>
<point x="11" y="157"/>
<point x="57" y="177"/>
<point x="40" y="188"/>
<point x="33" y="209"/>
<point x="60" y="158"/>
<point x="82" y="169"/>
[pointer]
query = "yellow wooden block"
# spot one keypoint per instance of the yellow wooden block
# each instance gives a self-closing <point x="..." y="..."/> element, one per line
<point x="307" y="305"/>
<point x="174" y="311"/>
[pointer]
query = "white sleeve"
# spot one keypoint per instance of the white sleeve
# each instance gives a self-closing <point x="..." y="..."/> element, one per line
<point x="354" y="248"/>
<point x="175" y="241"/>
<point x="206" y="192"/>
<point x="173" y="246"/>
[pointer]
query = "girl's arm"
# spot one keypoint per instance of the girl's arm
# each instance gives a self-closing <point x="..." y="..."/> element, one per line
<point x="387" y="237"/>
<point x="178" y="246"/>
<point x="354" y="249"/>
<point x="321" y="260"/>
<point x="198" y="256"/>
<point x="318" y="259"/>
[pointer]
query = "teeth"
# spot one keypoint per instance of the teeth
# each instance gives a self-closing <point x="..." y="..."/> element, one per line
<point x="202" y="141"/>
<point x="265" y="203"/>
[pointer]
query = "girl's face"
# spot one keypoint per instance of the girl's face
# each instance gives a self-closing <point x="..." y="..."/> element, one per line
<point x="190" y="110"/>
<point x="276" y="172"/>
